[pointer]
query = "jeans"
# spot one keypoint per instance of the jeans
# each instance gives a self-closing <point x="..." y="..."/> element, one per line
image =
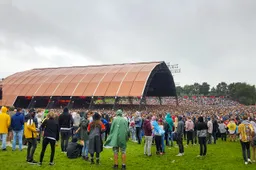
<point x="180" y="143"/>
<point x="246" y="150"/>
<point x="46" y="141"/>
<point x="132" y="130"/>
<point x="190" y="137"/>
<point x="223" y="136"/>
<point x="203" y="146"/>
<point x="209" y="138"/>
<point x="171" y="138"/>
<point x="19" y="135"/>
<point x="4" y="136"/>
<point x="214" y="134"/>
<point x="158" y="143"/>
<point x="85" y="148"/>
<point x="147" y="146"/>
<point x="64" y="141"/>
<point x="31" y="148"/>
<point x="195" y="136"/>
<point x="167" y="138"/>
<point x="138" y="134"/>
<point x="162" y="144"/>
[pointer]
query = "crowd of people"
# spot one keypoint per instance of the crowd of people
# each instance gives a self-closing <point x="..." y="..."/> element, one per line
<point x="159" y="125"/>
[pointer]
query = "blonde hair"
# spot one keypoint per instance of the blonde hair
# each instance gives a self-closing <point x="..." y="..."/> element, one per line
<point x="51" y="115"/>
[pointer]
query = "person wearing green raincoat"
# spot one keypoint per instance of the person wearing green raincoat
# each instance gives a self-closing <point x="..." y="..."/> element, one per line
<point x="46" y="113"/>
<point x="169" y="120"/>
<point x="118" y="137"/>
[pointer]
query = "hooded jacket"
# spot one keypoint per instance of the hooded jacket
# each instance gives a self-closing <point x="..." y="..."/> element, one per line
<point x="147" y="127"/>
<point x="201" y="128"/>
<point x="157" y="129"/>
<point x="65" y="120"/>
<point x="5" y="121"/>
<point x="119" y="132"/>
<point x="180" y="127"/>
<point x="17" y="121"/>
<point x="169" y="120"/>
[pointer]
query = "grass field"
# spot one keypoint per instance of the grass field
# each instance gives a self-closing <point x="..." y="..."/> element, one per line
<point x="223" y="156"/>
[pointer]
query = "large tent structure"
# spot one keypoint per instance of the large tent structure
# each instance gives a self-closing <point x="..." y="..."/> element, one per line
<point x="32" y="87"/>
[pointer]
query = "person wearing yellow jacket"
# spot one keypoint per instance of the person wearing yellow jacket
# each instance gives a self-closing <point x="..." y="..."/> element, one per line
<point x="5" y="122"/>
<point x="30" y="133"/>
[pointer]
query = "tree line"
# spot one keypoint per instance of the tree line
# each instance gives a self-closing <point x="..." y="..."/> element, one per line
<point x="241" y="92"/>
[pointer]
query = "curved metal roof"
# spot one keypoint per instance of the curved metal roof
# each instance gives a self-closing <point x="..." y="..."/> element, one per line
<point x="105" y="80"/>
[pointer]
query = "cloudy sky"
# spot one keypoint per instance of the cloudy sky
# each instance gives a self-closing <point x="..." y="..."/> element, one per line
<point x="211" y="41"/>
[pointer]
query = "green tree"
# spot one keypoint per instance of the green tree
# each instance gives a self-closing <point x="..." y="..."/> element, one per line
<point x="213" y="91"/>
<point x="188" y="90"/>
<point x="204" y="89"/>
<point x="196" y="89"/>
<point x="243" y="93"/>
<point x="222" y="89"/>
<point x="179" y="91"/>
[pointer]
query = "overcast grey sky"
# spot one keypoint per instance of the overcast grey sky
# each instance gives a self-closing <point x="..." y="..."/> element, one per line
<point x="211" y="41"/>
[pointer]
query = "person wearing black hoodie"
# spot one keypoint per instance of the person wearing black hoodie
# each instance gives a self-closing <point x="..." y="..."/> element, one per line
<point x="51" y="135"/>
<point x="65" y="124"/>
<point x="202" y="134"/>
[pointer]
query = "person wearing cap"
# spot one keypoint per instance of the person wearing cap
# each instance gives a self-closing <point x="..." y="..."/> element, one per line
<point x="118" y="137"/>
<point x="95" y="129"/>
<point x="5" y="122"/>
<point x="30" y="133"/>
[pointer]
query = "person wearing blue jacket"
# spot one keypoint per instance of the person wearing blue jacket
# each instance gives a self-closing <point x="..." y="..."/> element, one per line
<point x="17" y="122"/>
<point x="138" y="124"/>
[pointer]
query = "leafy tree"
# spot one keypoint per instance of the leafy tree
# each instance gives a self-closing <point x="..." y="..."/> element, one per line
<point x="204" y="89"/>
<point x="213" y="91"/>
<point x="196" y="89"/>
<point x="188" y="89"/>
<point x="179" y="90"/>
<point x="222" y="89"/>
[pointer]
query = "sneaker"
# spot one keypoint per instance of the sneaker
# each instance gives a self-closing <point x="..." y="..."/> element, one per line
<point x="51" y="163"/>
<point x="245" y="163"/>
<point x="97" y="161"/>
<point x="4" y="149"/>
<point x="86" y="158"/>
<point x="39" y="164"/>
<point x="115" y="167"/>
<point x="249" y="161"/>
<point x="183" y="154"/>
<point x="123" y="167"/>
<point x="92" y="161"/>
<point x="32" y="162"/>
<point x="180" y="154"/>
<point x="198" y="156"/>
<point x="253" y="161"/>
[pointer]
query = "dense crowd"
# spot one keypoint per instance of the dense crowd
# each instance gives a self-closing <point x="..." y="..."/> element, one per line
<point x="160" y="125"/>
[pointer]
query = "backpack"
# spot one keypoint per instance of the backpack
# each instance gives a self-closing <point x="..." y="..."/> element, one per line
<point x="84" y="124"/>
<point x="248" y="132"/>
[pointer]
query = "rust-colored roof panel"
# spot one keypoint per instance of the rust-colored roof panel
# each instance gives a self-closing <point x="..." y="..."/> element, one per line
<point x="69" y="89"/>
<point x="107" y="80"/>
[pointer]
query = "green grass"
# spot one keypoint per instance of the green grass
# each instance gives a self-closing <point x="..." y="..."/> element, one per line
<point x="223" y="156"/>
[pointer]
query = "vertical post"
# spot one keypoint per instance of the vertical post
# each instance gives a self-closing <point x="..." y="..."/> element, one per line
<point x="160" y="101"/>
<point x="114" y="106"/>
<point x="91" y="103"/>
<point x="31" y="103"/>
